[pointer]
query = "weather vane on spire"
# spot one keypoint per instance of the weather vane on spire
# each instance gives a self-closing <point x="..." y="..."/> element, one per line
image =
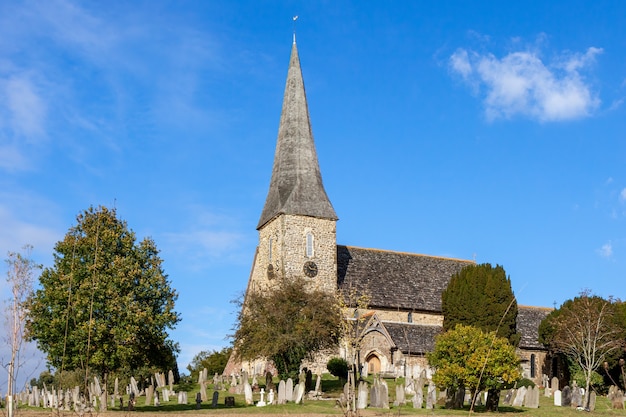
<point x="294" y="28"/>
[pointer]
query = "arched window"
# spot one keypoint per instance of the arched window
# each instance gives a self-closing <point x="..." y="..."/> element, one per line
<point x="309" y="245"/>
<point x="532" y="366"/>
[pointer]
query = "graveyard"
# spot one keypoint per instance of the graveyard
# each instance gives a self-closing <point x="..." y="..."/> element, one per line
<point x="309" y="395"/>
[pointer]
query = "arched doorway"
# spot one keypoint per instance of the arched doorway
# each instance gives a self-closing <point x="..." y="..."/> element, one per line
<point x="373" y="364"/>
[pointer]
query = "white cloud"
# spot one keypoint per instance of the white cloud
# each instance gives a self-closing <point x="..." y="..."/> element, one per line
<point x="522" y="84"/>
<point x="606" y="251"/>
<point x="622" y="195"/>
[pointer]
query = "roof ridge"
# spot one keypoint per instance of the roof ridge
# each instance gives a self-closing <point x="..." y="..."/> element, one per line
<point x="410" y="253"/>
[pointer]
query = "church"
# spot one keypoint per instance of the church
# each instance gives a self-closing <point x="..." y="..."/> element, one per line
<point x="297" y="238"/>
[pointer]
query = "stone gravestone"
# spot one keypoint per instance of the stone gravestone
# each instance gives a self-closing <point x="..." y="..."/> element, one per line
<point x="592" y="401"/>
<point x="384" y="394"/>
<point x="418" y="398"/>
<point x="247" y="392"/>
<point x="508" y="397"/>
<point x="299" y="391"/>
<point x="566" y="396"/>
<point x="215" y="399"/>
<point x="519" y="397"/>
<point x="554" y="383"/>
<point x="270" y="398"/>
<point x="557" y="398"/>
<point x="577" y="397"/>
<point x="362" y="396"/>
<point x="400" y="400"/>
<point x="431" y="396"/>
<point x="282" y="396"/>
<point x="375" y="394"/>
<point x="289" y="390"/>
<point x="532" y="397"/>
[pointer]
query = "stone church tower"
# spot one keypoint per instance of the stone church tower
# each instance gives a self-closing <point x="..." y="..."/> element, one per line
<point x="297" y="228"/>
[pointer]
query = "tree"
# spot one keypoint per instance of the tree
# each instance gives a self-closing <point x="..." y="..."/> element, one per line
<point x="286" y="325"/>
<point x="588" y="329"/>
<point x="106" y="304"/>
<point x="481" y="296"/>
<point x="468" y="357"/>
<point x="214" y="362"/>
<point x="20" y="270"/>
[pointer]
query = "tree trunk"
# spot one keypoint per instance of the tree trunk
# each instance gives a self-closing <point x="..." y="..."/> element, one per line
<point x="493" y="399"/>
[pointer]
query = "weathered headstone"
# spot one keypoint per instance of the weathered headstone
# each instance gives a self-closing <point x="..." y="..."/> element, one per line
<point x="554" y="383"/>
<point x="557" y="398"/>
<point x="508" y="397"/>
<point x="270" y="398"/>
<point x="532" y="397"/>
<point x="431" y="396"/>
<point x="182" y="397"/>
<point x="375" y="394"/>
<point x="577" y="396"/>
<point x="400" y="400"/>
<point x="384" y="394"/>
<point x="362" y="396"/>
<point x="289" y="390"/>
<point x="519" y="397"/>
<point x="592" y="401"/>
<point x="418" y="398"/>
<point x="300" y="388"/>
<point x="566" y="396"/>
<point x="247" y="392"/>
<point x="229" y="401"/>
<point x="281" y="393"/>
<point x="215" y="399"/>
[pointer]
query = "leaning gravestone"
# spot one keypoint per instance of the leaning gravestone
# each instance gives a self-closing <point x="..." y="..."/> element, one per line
<point x="519" y="397"/>
<point x="299" y="394"/>
<point x="577" y="396"/>
<point x="566" y="396"/>
<point x="558" y="401"/>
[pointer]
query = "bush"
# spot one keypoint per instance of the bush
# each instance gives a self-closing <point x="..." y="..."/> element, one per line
<point x="525" y="382"/>
<point x="338" y="367"/>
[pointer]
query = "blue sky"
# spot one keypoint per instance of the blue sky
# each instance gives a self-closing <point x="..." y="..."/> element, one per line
<point x="477" y="130"/>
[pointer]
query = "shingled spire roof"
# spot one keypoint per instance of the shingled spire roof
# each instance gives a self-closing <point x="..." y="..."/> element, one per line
<point x="296" y="185"/>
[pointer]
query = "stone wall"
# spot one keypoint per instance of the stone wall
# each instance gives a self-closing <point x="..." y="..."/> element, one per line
<point x="282" y="252"/>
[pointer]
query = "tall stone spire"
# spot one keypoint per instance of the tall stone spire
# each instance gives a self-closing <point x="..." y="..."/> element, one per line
<point x="296" y="185"/>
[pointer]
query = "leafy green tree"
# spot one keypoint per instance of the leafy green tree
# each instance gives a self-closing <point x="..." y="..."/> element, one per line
<point x="470" y="358"/>
<point x="286" y="325"/>
<point x="106" y="304"/>
<point x="214" y="362"/>
<point x="588" y="329"/>
<point x="481" y="296"/>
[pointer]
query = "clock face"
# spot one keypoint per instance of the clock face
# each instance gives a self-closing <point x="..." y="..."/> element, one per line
<point x="310" y="269"/>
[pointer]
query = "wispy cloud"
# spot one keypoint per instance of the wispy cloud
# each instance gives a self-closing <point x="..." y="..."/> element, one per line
<point x="622" y="195"/>
<point x="606" y="251"/>
<point x="520" y="83"/>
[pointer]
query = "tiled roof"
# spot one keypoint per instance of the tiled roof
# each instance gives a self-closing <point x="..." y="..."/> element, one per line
<point x="396" y="280"/>
<point x="413" y="338"/>
<point x="528" y="320"/>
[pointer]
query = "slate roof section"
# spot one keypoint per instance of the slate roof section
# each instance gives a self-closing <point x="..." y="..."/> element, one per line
<point x="528" y="320"/>
<point x="413" y="338"/>
<point x="396" y="280"/>
<point x="296" y="186"/>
